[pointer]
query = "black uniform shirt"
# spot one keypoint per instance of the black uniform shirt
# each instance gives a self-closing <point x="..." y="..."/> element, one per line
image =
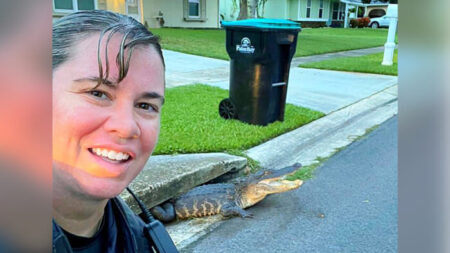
<point x="107" y="238"/>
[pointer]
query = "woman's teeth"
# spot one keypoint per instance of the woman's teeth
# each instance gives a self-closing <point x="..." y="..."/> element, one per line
<point x="113" y="155"/>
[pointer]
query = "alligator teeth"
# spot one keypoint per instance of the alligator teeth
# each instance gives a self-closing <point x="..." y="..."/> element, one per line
<point x="110" y="154"/>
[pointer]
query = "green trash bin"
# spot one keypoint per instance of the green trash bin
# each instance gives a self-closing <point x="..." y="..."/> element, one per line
<point x="260" y="53"/>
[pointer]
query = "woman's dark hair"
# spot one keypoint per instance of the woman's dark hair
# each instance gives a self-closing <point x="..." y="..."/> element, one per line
<point x="73" y="28"/>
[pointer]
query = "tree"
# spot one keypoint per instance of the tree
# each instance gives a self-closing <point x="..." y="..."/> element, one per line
<point x="253" y="7"/>
<point x="250" y="8"/>
<point x="260" y="5"/>
<point x="243" y="10"/>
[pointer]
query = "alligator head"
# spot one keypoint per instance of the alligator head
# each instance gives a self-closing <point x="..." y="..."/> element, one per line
<point x="266" y="182"/>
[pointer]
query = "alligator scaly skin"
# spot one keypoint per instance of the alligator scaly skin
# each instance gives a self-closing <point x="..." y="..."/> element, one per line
<point x="206" y="200"/>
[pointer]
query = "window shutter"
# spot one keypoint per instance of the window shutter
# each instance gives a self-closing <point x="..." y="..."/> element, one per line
<point x="185" y="9"/>
<point x="203" y="11"/>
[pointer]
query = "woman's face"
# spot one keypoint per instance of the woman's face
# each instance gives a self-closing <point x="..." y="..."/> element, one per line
<point x="102" y="137"/>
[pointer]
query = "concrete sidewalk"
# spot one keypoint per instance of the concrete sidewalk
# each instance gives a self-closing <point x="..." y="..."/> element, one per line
<point x="321" y="90"/>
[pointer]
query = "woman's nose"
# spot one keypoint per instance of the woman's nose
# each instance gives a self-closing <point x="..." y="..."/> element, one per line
<point x="122" y="123"/>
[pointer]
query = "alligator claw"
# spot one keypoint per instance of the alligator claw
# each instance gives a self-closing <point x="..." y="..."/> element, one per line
<point x="250" y="215"/>
<point x="245" y="214"/>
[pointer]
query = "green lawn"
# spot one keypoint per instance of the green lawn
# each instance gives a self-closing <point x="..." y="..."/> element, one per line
<point x="366" y="64"/>
<point x="211" y="43"/>
<point x="191" y="123"/>
<point x="328" y="40"/>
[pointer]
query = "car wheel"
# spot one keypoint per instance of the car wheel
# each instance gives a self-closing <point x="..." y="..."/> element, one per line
<point x="374" y="25"/>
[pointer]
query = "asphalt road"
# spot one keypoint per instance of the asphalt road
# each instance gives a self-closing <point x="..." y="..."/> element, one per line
<point x="350" y="206"/>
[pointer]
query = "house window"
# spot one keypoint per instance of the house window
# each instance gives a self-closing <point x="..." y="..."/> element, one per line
<point x="320" y="8"/>
<point x="73" y="5"/>
<point x="308" y="8"/>
<point x="341" y="11"/>
<point x="86" y="5"/>
<point x="335" y="11"/>
<point x="194" y="8"/>
<point x="63" y="4"/>
<point x="133" y="8"/>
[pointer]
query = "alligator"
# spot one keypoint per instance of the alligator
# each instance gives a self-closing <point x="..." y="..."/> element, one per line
<point x="228" y="199"/>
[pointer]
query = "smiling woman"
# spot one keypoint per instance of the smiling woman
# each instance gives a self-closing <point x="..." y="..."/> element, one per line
<point x="108" y="90"/>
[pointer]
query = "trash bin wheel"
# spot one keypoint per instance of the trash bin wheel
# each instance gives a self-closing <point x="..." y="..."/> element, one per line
<point x="227" y="110"/>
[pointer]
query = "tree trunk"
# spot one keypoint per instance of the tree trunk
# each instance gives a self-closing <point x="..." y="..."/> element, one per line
<point x="243" y="10"/>
<point x="261" y="6"/>
<point x="253" y="4"/>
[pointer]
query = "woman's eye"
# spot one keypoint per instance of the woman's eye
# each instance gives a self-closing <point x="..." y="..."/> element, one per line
<point x="147" y="107"/>
<point x="98" y="94"/>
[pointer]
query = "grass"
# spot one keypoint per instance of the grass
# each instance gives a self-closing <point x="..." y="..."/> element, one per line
<point x="190" y="123"/>
<point x="211" y="43"/>
<point x="305" y="173"/>
<point x="365" y="64"/>
<point x="252" y="163"/>
<point x="367" y="132"/>
<point x="329" y="40"/>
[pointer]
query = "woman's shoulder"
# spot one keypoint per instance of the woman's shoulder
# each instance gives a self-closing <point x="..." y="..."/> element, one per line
<point x="127" y="212"/>
<point x="131" y="221"/>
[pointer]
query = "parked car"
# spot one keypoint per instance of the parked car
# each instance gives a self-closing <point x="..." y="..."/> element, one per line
<point x="379" y="22"/>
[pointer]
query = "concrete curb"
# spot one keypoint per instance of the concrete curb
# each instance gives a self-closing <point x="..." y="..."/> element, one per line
<point x="322" y="137"/>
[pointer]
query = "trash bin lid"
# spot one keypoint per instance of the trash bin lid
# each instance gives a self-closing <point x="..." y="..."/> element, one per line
<point x="263" y="23"/>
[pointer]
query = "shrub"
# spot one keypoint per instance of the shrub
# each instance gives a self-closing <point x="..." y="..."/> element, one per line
<point x="360" y="22"/>
<point x="354" y="22"/>
<point x="363" y="22"/>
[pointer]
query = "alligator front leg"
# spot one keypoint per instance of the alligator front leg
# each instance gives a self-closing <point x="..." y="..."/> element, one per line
<point x="164" y="213"/>
<point x="231" y="210"/>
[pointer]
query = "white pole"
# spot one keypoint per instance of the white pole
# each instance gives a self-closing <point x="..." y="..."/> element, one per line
<point x="390" y="43"/>
<point x="346" y="16"/>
